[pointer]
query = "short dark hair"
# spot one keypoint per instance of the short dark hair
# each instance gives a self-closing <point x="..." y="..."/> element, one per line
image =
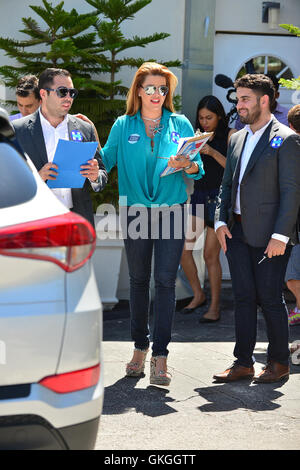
<point x="26" y="85"/>
<point x="214" y="105"/>
<point x="294" y="117"/>
<point x="259" y="83"/>
<point x="274" y="79"/>
<point x="47" y="76"/>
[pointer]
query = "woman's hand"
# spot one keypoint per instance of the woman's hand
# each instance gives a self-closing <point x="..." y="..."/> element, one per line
<point x="184" y="163"/>
<point x="207" y="150"/>
<point x="176" y="162"/>
<point x="86" y="119"/>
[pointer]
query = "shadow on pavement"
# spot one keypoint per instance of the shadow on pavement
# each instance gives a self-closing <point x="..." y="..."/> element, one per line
<point x="240" y="395"/>
<point x="123" y="396"/>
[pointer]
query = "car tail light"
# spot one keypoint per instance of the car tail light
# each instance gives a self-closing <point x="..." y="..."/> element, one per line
<point x="72" y="381"/>
<point x="68" y="240"/>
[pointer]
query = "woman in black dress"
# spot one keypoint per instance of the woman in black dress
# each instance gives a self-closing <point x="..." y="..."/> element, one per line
<point x="210" y="117"/>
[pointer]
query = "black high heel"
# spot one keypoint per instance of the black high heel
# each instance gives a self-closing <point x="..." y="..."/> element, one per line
<point x="187" y="311"/>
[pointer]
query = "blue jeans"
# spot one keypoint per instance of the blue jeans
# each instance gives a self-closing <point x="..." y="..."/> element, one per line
<point x="167" y="249"/>
<point x="254" y="283"/>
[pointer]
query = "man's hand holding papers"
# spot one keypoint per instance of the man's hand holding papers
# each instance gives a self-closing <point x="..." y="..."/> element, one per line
<point x="90" y="170"/>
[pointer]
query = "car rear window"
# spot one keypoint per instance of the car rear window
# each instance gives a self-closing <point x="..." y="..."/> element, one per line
<point x="17" y="183"/>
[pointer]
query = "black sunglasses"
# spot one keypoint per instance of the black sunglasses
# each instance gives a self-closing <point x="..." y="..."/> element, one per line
<point x="151" y="89"/>
<point x="62" y="91"/>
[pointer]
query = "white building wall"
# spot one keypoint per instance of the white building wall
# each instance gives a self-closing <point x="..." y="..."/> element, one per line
<point x="246" y="15"/>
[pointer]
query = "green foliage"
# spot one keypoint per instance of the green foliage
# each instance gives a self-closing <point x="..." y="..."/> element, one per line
<point x="294" y="83"/>
<point x="291" y="28"/>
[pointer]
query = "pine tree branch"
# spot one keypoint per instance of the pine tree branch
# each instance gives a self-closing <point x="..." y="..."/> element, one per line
<point x="137" y="41"/>
<point x="33" y="30"/>
<point x="118" y="10"/>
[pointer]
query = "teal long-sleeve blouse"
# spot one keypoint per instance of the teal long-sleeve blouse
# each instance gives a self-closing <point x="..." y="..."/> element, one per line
<point x="139" y="168"/>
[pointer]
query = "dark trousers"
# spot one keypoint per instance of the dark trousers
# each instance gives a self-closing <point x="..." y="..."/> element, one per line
<point x="255" y="283"/>
<point x="167" y="248"/>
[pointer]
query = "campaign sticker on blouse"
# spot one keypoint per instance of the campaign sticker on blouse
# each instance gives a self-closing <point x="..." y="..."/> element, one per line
<point x="175" y="137"/>
<point x="76" y="136"/>
<point x="276" y="142"/>
<point x="134" y="138"/>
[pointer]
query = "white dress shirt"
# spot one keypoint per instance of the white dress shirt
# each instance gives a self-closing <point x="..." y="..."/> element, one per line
<point x="251" y="142"/>
<point x="51" y="138"/>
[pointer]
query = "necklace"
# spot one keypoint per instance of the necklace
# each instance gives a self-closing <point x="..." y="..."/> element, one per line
<point x="155" y="129"/>
<point x="153" y="120"/>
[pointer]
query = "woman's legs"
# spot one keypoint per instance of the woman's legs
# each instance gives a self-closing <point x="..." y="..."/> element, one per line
<point x="139" y="256"/>
<point x="212" y="261"/>
<point x="187" y="261"/>
<point x="167" y="254"/>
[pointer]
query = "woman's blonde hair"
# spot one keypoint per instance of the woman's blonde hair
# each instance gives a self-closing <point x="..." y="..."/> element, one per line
<point x="150" y="68"/>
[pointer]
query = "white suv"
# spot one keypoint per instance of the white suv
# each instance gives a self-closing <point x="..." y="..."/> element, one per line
<point x="51" y="381"/>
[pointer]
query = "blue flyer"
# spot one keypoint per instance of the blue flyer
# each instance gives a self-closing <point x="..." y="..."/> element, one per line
<point x="69" y="156"/>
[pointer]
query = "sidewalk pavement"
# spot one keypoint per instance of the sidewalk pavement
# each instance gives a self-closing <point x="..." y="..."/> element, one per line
<point x="194" y="412"/>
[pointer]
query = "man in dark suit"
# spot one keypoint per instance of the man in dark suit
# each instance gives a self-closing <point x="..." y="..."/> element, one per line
<point x="39" y="133"/>
<point x="256" y="226"/>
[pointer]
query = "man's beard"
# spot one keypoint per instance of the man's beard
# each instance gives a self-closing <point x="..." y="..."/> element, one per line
<point x="251" y="117"/>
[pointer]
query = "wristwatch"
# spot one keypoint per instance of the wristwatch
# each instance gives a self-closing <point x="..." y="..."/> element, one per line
<point x="188" y="167"/>
<point x="97" y="180"/>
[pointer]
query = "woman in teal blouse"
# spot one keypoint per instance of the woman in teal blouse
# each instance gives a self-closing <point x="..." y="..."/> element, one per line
<point x="142" y="143"/>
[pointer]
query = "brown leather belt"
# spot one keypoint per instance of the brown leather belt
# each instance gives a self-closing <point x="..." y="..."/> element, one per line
<point x="237" y="217"/>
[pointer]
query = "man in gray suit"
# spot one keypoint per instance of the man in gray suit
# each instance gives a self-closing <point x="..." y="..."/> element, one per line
<point x="256" y="226"/>
<point x="39" y="133"/>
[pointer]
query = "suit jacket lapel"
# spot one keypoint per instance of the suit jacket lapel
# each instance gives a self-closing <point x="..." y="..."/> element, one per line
<point x="35" y="129"/>
<point x="73" y="126"/>
<point x="238" y="151"/>
<point x="263" y="142"/>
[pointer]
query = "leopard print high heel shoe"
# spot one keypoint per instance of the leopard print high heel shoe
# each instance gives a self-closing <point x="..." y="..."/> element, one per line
<point x="136" y="368"/>
<point x="162" y="377"/>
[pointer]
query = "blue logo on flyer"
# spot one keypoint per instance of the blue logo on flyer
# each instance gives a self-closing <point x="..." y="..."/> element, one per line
<point x="175" y="137"/>
<point x="276" y="142"/>
<point x="134" y="138"/>
<point x="76" y="136"/>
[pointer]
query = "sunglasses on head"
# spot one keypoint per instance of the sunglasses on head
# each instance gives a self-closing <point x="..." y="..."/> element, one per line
<point x="151" y="89"/>
<point x="62" y="91"/>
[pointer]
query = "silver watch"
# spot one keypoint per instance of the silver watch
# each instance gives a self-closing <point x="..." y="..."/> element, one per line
<point x="188" y="167"/>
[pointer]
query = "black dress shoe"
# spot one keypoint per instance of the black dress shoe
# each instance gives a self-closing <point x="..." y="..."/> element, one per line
<point x="186" y="311"/>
